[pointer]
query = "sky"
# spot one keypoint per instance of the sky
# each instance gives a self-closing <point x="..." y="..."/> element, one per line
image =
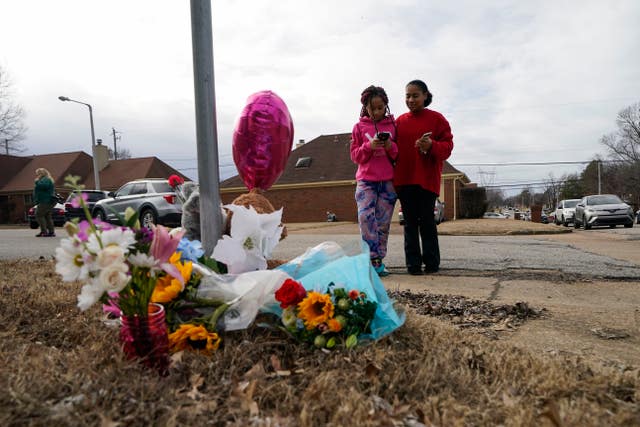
<point x="518" y="81"/>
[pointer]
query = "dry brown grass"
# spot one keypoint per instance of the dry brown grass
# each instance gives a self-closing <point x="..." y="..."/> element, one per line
<point x="63" y="367"/>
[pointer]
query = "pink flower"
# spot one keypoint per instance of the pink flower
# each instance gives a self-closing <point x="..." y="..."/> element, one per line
<point x="112" y="306"/>
<point x="75" y="202"/>
<point x="163" y="246"/>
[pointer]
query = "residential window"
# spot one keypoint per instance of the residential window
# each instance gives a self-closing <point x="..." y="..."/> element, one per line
<point x="303" y="162"/>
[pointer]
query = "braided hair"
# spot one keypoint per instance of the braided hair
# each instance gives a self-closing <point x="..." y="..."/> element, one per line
<point x="423" y="87"/>
<point x="368" y="94"/>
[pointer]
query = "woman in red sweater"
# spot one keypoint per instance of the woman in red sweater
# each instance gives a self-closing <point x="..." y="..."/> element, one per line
<point x="424" y="143"/>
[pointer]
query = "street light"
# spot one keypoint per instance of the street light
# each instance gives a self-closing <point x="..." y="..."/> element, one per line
<point x="96" y="175"/>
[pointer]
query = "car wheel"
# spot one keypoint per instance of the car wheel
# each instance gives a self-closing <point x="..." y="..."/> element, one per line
<point x="612" y="226"/>
<point x="33" y="225"/>
<point x="576" y="223"/>
<point x="99" y="214"/>
<point x="586" y="225"/>
<point x="147" y="218"/>
<point x="630" y="225"/>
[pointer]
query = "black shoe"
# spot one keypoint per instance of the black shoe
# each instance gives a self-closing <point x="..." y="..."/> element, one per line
<point x="41" y="234"/>
<point x="415" y="271"/>
<point x="50" y="234"/>
<point x="431" y="270"/>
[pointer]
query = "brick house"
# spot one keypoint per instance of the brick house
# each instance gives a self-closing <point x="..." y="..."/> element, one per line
<point x="319" y="176"/>
<point x="17" y="176"/>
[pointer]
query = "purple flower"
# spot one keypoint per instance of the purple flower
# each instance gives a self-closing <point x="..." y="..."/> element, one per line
<point x="76" y="201"/>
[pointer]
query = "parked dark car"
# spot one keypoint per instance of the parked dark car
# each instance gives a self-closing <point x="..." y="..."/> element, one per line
<point x="57" y="214"/>
<point x="92" y="197"/>
<point x="153" y="199"/>
<point x="603" y="209"/>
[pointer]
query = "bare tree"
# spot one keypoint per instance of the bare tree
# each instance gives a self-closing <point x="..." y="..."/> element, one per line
<point x="625" y="143"/>
<point x="123" y="153"/>
<point x="12" y="128"/>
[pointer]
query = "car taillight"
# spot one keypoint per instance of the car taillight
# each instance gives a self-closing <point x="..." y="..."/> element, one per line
<point x="60" y="211"/>
<point x="31" y="211"/>
<point x="171" y="198"/>
<point x="67" y="206"/>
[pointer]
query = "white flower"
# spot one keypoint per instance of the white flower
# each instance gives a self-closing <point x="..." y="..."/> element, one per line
<point x="70" y="263"/>
<point x="89" y="295"/>
<point x="114" y="278"/>
<point x="253" y="237"/>
<point x="110" y="255"/>
<point x="142" y="260"/>
<point x="123" y="237"/>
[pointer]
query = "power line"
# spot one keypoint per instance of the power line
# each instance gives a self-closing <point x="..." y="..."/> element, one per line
<point x="580" y="162"/>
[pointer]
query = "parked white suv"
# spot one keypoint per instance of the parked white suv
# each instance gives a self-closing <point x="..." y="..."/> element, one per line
<point x="566" y="212"/>
<point x="153" y="199"/>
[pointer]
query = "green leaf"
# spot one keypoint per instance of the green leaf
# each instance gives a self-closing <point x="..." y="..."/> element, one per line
<point x="352" y="341"/>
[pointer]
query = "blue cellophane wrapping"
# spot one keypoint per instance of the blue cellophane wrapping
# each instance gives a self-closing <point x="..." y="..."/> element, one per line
<point x="348" y="267"/>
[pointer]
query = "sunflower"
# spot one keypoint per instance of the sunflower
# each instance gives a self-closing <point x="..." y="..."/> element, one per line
<point x="168" y="287"/>
<point x="194" y="337"/>
<point x="315" y="309"/>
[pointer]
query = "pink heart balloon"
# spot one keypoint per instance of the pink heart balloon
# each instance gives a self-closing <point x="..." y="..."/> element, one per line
<point x="262" y="140"/>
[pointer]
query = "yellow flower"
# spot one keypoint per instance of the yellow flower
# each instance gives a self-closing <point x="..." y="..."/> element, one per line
<point x="194" y="337"/>
<point x="168" y="287"/>
<point x="316" y="308"/>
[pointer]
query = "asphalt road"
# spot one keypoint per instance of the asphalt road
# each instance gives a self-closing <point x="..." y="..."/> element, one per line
<point x="596" y="253"/>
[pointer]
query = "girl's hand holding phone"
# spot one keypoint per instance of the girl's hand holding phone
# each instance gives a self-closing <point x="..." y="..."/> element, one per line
<point x="424" y="143"/>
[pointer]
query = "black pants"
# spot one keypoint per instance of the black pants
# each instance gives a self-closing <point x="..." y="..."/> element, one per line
<point x="419" y="225"/>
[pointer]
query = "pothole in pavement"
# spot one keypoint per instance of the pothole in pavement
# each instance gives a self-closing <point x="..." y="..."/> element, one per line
<point x="465" y="313"/>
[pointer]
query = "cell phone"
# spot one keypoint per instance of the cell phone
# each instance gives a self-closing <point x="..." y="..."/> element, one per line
<point x="383" y="136"/>
<point x="427" y="134"/>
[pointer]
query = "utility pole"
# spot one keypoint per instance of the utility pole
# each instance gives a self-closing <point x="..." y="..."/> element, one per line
<point x="115" y="146"/>
<point x="599" y="185"/>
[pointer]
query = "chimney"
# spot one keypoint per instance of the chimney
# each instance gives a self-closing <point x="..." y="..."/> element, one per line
<point x="300" y="143"/>
<point x="101" y="152"/>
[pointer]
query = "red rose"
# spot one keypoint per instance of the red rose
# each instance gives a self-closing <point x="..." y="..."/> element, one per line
<point x="290" y="293"/>
<point x="353" y="294"/>
<point x="175" y="180"/>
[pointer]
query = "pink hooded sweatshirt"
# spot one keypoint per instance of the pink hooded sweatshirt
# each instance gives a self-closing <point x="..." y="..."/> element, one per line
<point x="373" y="164"/>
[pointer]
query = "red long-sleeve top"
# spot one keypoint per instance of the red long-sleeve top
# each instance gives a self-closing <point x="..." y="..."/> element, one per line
<point x="412" y="167"/>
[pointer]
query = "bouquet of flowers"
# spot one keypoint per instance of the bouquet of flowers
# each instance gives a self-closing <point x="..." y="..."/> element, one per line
<point x="121" y="263"/>
<point x="335" y="317"/>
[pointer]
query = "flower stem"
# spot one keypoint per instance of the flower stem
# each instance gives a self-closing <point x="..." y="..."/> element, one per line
<point x="213" y="319"/>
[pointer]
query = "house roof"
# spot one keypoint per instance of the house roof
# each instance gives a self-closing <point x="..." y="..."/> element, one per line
<point x="58" y="164"/>
<point x="119" y="172"/>
<point x="17" y="174"/>
<point x="330" y="160"/>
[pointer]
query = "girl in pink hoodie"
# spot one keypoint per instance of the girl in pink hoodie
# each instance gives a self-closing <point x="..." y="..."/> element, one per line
<point x="374" y="149"/>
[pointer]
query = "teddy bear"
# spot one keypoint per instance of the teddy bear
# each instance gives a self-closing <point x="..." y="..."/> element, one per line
<point x="191" y="212"/>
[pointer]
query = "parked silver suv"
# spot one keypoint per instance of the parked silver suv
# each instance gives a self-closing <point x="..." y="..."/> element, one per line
<point x="153" y="199"/>
<point x="603" y="209"/>
<point x="565" y="212"/>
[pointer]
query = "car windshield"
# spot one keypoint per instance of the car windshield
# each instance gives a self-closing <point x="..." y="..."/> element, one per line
<point x="604" y="199"/>
<point x="94" y="197"/>
<point x="571" y="203"/>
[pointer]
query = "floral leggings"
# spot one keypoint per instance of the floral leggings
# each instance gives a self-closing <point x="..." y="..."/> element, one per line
<point x="375" y="200"/>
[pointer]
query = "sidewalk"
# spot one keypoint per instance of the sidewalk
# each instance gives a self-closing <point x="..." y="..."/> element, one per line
<point x="462" y="227"/>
